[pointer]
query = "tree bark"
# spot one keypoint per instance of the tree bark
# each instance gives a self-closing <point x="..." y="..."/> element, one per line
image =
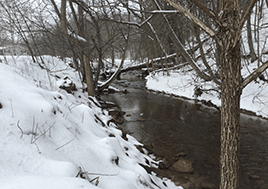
<point x="88" y="73"/>
<point x="230" y="69"/>
<point x="230" y="118"/>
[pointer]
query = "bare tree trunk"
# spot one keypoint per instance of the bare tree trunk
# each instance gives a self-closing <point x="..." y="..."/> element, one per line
<point x="230" y="126"/>
<point x="88" y="73"/>
<point x="230" y="98"/>
<point x="84" y="57"/>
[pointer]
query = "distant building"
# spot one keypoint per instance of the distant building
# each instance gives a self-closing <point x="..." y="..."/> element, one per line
<point x="15" y="50"/>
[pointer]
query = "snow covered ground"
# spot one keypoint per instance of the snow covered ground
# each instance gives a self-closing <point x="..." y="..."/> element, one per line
<point x="49" y="138"/>
<point x="183" y="83"/>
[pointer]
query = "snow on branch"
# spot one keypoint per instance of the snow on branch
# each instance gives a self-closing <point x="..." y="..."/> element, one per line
<point x="132" y="23"/>
<point x="164" y="11"/>
<point x="74" y="35"/>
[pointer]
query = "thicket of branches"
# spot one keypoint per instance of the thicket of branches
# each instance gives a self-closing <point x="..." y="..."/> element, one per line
<point x="215" y="38"/>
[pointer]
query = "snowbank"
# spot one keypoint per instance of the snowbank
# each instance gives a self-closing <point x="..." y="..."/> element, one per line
<point x="50" y="138"/>
<point x="183" y="83"/>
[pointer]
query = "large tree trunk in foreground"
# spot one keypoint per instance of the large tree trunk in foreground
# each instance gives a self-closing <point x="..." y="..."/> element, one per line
<point x="230" y="120"/>
<point x="230" y="65"/>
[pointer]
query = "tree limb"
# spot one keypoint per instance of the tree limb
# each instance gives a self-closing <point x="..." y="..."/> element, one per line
<point x="181" y="49"/>
<point x="209" y="12"/>
<point x="189" y="15"/>
<point x="204" y="58"/>
<point x="63" y="18"/>
<point x="243" y="20"/>
<point x="55" y="7"/>
<point x="246" y="14"/>
<point x="114" y="76"/>
<point x="131" y="23"/>
<point x="254" y="74"/>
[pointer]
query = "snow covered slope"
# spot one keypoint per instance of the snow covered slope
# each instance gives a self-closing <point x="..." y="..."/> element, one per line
<point x="48" y="137"/>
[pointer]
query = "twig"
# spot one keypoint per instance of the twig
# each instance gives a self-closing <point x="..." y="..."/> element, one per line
<point x="38" y="148"/>
<point x="65" y="144"/>
<point x="97" y="180"/>
<point x="35" y="132"/>
<point x="11" y="107"/>
<point x="102" y="174"/>
<point x="32" y="137"/>
<point x="44" y="132"/>
<point x="20" y="129"/>
<point x="83" y="171"/>
<point x="79" y="172"/>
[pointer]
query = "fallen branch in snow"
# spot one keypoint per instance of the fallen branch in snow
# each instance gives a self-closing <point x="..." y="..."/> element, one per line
<point x="65" y="144"/>
<point x="98" y="119"/>
<point x="116" y="73"/>
<point x="97" y="181"/>
<point x="33" y="130"/>
<point x="174" y="67"/>
<point x="38" y="148"/>
<point x="145" y="64"/>
<point x="43" y="132"/>
<point x="20" y="129"/>
<point x="83" y="171"/>
<point x="11" y="108"/>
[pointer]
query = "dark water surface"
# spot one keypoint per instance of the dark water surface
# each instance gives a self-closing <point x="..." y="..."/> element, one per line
<point x="171" y="127"/>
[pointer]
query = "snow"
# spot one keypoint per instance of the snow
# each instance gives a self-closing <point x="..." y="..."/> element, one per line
<point x="49" y="136"/>
<point x="183" y="83"/>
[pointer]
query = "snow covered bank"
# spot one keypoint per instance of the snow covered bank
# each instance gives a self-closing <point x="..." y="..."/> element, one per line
<point x="183" y="83"/>
<point x="50" y="138"/>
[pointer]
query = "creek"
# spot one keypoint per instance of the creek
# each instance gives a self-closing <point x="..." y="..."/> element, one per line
<point x="173" y="129"/>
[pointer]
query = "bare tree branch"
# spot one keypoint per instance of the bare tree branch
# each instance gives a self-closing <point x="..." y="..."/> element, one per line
<point x="116" y="73"/>
<point x="255" y="74"/>
<point x="243" y="20"/>
<point x="204" y="58"/>
<point x="201" y="24"/>
<point x="246" y="14"/>
<point x="131" y="23"/>
<point x="55" y="7"/>
<point x="181" y="49"/>
<point x="209" y="12"/>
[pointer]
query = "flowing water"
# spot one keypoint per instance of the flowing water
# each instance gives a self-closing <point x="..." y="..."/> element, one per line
<point x="172" y="128"/>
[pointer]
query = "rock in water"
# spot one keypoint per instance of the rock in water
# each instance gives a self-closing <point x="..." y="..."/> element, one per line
<point x="183" y="166"/>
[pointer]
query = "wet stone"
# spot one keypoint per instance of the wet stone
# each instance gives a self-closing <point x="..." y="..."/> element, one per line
<point x="181" y="154"/>
<point x="208" y="185"/>
<point x="118" y="115"/>
<point x="164" y="164"/>
<point x="183" y="166"/>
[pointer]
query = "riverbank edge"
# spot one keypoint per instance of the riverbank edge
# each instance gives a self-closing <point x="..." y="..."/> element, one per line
<point x="207" y="103"/>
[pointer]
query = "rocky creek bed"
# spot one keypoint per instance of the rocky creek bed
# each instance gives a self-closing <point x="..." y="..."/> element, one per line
<point x="186" y="136"/>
